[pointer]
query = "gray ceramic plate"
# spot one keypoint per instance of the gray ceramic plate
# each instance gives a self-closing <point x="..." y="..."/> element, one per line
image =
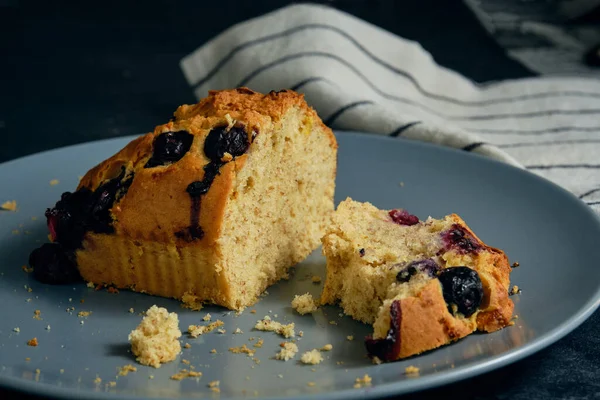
<point x="549" y="231"/>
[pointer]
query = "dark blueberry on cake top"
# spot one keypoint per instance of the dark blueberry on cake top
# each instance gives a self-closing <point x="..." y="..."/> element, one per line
<point x="462" y="287"/>
<point x="220" y="141"/>
<point x="169" y="147"/>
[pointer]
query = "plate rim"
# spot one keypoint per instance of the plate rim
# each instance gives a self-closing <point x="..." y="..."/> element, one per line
<point x="381" y="390"/>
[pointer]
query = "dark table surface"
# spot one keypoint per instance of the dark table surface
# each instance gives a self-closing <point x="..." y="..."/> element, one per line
<point x="72" y="73"/>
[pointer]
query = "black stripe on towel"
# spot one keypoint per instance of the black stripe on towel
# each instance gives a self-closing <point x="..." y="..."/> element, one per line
<point x="473" y="146"/>
<point x="586" y="194"/>
<point x="532" y="114"/>
<point x="333" y="117"/>
<point x="539" y="131"/>
<point x="306" y="81"/>
<point x="399" y="130"/>
<point x="564" y="166"/>
<point x="548" y="143"/>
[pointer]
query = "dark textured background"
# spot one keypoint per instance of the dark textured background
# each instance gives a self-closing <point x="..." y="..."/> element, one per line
<point x="73" y="73"/>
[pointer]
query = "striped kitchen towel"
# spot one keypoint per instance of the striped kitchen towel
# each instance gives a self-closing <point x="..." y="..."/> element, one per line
<point x="360" y="77"/>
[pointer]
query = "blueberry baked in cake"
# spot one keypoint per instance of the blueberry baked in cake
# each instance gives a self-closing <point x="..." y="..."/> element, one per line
<point x="214" y="205"/>
<point x="422" y="284"/>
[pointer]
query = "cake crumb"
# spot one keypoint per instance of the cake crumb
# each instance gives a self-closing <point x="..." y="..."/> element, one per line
<point x="376" y="360"/>
<point x="9" y="205"/>
<point x="186" y="362"/>
<point x="515" y="264"/>
<point x="304" y="304"/>
<point x="83" y="314"/>
<point x="90" y="285"/>
<point x="187" y="346"/>
<point x="311" y="384"/>
<point x="312" y="357"/>
<point x="54" y="182"/>
<point x="150" y="376"/>
<point x="112" y="384"/>
<point x="411" y="370"/>
<point x="113" y="290"/>
<point x="27" y="269"/>
<point x="98" y="380"/>
<point x="267" y="324"/>
<point x="252" y="311"/>
<point x="332" y="322"/>
<point x="242" y="349"/>
<point x="48" y="327"/>
<point x="197" y="330"/>
<point x="32" y="342"/>
<point x="17" y="329"/>
<point x="214" y="351"/>
<point x="214" y="386"/>
<point x="300" y="333"/>
<point x="126" y="369"/>
<point x="27" y="359"/>
<point x="287" y="352"/>
<point x="155" y="340"/>
<point x="184" y="373"/>
<point x="259" y="343"/>
<point x="131" y="310"/>
<point x="207" y="317"/>
<point x="350" y="337"/>
<point x="238" y="331"/>
<point x="62" y="371"/>
<point x="364" y="381"/>
<point x="514" y="290"/>
<point x="316" y="279"/>
<point x="191" y="301"/>
<point x="221" y="331"/>
<point x="327" y="347"/>
<point x="37" y="314"/>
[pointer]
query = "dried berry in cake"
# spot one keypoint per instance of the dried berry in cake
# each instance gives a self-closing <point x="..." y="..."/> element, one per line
<point x="422" y="284"/>
<point x="169" y="213"/>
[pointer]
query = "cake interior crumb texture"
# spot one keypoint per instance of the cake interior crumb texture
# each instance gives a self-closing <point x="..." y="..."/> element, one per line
<point x="312" y="357"/>
<point x="287" y="352"/>
<point x="385" y="273"/>
<point x="156" y="339"/>
<point x="269" y="325"/>
<point x="304" y="304"/>
<point x="265" y="211"/>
